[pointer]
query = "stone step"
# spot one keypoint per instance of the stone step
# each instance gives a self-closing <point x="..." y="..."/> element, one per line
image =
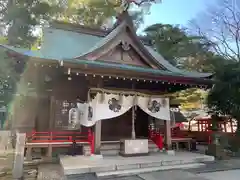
<point x="110" y="146"/>
<point x="114" y="148"/>
<point x="110" y="152"/>
<point x="129" y="172"/>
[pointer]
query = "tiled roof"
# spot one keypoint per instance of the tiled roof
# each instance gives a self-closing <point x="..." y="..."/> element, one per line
<point x="67" y="45"/>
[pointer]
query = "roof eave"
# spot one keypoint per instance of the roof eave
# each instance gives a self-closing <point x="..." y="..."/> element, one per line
<point x="156" y="75"/>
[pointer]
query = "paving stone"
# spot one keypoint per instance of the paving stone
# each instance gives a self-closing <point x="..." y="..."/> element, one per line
<point x="146" y="165"/>
<point x="102" y="169"/>
<point x="222" y="165"/>
<point x="222" y="175"/>
<point x="121" y="178"/>
<point x="171" y="163"/>
<point x="128" y="166"/>
<point x="170" y="175"/>
<point x="88" y="176"/>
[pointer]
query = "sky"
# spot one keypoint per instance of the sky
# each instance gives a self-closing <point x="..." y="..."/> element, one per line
<point x="175" y="12"/>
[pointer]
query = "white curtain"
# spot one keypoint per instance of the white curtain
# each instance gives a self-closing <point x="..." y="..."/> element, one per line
<point x="108" y="106"/>
<point x="155" y="107"/>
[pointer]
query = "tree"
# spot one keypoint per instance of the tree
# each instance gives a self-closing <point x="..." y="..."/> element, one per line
<point x="20" y="18"/>
<point x="191" y="99"/>
<point x="9" y="77"/>
<point x="224" y="96"/>
<point x="23" y="16"/>
<point x="188" y="52"/>
<point x="221" y="28"/>
<point x="180" y="48"/>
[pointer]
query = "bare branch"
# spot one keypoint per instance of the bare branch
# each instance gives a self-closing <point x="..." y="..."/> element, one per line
<point x="221" y="27"/>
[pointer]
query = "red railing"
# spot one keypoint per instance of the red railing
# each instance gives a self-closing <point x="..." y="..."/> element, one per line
<point x="62" y="137"/>
<point x="156" y="137"/>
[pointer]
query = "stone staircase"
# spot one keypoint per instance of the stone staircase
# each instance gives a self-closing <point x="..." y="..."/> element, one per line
<point x="130" y="170"/>
<point x="115" y="166"/>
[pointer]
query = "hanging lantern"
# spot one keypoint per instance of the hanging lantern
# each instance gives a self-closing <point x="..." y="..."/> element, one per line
<point x="69" y="71"/>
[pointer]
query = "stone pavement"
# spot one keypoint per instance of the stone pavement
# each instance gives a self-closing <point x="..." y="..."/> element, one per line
<point x="222" y="175"/>
<point x="171" y="175"/>
<point x="222" y="165"/>
<point x="54" y="172"/>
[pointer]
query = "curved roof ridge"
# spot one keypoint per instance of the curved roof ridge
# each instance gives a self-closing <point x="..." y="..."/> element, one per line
<point x="105" y="39"/>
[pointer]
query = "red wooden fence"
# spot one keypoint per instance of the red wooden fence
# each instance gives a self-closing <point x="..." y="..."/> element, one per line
<point x="62" y="137"/>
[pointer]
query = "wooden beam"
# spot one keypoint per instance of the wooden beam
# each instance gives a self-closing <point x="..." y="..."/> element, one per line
<point x="98" y="131"/>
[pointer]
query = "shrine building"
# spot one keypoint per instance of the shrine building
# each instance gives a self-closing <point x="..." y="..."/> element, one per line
<point x="103" y="83"/>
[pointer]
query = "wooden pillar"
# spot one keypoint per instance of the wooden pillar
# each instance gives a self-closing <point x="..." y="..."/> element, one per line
<point x="189" y="126"/>
<point x="98" y="125"/>
<point x="225" y="126"/>
<point x="231" y="124"/>
<point x="51" y="126"/>
<point x="49" y="150"/>
<point x="168" y="137"/>
<point x="198" y="123"/>
<point x="133" y="123"/>
<point x="97" y="134"/>
<point x="52" y="111"/>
